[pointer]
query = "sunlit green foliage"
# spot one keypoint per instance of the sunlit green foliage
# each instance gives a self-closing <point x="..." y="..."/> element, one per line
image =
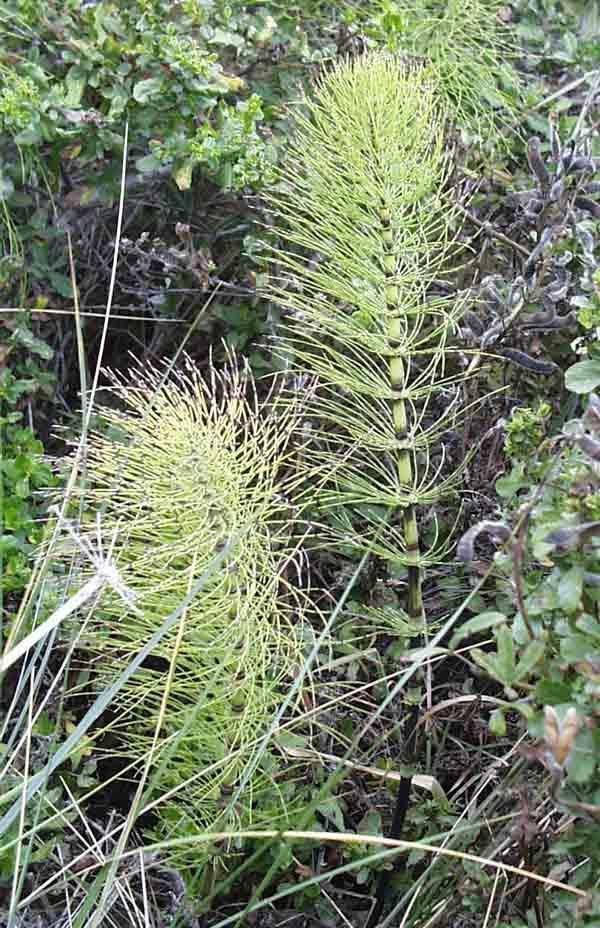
<point x="189" y="467"/>
<point x="364" y="192"/>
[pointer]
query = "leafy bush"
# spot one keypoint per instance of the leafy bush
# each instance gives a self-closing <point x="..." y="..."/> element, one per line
<point x="23" y="471"/>
<point x="61" y="98"/>
<point x="544" y="617"/>
<point x="73" y="74"/>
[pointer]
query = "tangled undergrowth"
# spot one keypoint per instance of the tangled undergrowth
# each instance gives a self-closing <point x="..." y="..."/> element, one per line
<point x="184" y="739"/>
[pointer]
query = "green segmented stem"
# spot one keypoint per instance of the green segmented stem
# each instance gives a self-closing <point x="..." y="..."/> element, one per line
<point x="400" y="416"/>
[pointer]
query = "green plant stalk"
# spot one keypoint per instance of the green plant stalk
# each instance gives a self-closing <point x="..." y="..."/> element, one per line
<point x="368" y="168"/>
<point x="364" y="191"/>
<point x="414" y="604"/>
<point x="400" y="417"/>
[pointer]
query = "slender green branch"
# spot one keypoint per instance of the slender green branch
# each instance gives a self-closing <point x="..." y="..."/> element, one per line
<point x="400" y="418"/>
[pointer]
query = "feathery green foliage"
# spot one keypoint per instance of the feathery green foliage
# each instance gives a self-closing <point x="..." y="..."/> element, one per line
<point x="468" y="46"/>
<point x="186" y="467"/>
<point x="364" y="193"/>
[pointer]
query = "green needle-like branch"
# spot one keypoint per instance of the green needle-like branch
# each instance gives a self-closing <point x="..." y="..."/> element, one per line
<point x="364" y="192"/>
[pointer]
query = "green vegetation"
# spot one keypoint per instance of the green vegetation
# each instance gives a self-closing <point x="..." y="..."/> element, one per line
<point x="466" y="48"/>
<point x="22" y="467"/>
<point x="367" y="169"/>
<point x="185" y="470"/>
<point x="322" y="644"/>
<point x="545" y="622"/>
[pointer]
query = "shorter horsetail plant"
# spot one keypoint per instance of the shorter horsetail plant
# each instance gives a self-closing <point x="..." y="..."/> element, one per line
<point x="468" y="45"/>
<point x="184" y="466"/>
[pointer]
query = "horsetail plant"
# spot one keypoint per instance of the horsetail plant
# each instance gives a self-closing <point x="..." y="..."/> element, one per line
<point x="469" y="46"/>
<point x="364" y="196"/>
<point x="180" y="469"/>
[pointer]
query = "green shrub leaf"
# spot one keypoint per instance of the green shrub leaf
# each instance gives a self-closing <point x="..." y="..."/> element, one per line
<point x="583" y="377"/>
<point x="146" y="89"/>
<point x="570" y="588"/>
<point x="478" y="623"/>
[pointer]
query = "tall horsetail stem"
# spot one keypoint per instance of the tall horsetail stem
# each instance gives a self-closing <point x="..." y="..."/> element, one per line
<point x="400" y="417"/>
<point x="366" y="227"/>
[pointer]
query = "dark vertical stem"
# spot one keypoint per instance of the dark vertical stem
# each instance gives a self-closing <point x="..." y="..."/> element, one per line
<point x="400" y="809"/>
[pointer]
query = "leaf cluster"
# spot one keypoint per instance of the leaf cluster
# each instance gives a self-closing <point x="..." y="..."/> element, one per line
<point x="23" y="471"/>
<point x="545" y="626"/>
